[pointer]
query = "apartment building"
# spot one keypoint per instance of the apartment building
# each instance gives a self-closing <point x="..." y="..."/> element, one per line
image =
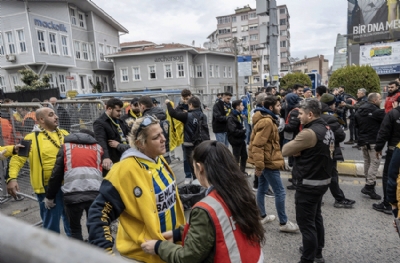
<point x="284" y="32"/>
<point x="66" y="39"/>
<point x="143" y="65"/>
<point x="316" y="64"/>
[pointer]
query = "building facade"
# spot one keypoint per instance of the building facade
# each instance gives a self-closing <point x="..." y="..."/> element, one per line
<point x="284" y="32"/>
<point x="172" y="67"/>
<point x="316" y="64"/>
<point x="68" y="40"/>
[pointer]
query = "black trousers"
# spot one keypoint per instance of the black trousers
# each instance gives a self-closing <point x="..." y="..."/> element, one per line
<point x="353" y="131"/>
<point x="334" y="187"/>
<point x="74" y="214"/>
<point x="188" y="156"/>
<point x="240" y="153"/>
<point x="389" y="154"/>
<point x="311" y="224"/>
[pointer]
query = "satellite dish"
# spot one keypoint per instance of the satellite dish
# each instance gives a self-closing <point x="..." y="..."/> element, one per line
<point x="206" y="45"/>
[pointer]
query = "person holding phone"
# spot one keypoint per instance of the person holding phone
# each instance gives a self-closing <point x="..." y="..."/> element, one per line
<point x="46" y="140"/>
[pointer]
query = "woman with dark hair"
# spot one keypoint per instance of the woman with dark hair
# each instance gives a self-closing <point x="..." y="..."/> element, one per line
<point x="223" y="227"/>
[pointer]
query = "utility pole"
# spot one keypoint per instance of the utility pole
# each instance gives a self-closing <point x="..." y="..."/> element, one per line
<point x="273" y="34"/>
<point x="236" y="67"/>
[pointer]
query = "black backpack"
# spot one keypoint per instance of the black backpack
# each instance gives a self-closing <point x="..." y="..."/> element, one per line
<point x="201" y="134"/>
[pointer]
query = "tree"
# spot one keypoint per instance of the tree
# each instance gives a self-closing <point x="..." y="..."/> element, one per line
<point x="32" y="81"/>
<point x="356" y="77"/>
<point x="96" y="88"/>
<point x="294" y="78"/>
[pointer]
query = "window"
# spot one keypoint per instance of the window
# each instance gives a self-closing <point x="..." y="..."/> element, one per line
<point x="282" y="11"/>
<point x="283" y="43"/>
<point x="92" y="52"/>
<point x="1" y="45"/>
<point x="10" y="42"/>
<point x="234" y="29"/>
<point x="224" y="72"/>
<point x="124" y="75"/>
<point x="42" y="43"/>
<point x="21" y="40"/>
<point x="167" y="71"/>
<point x="77" y="46"/>
<point x="233" y="19"/>
<point x="191" y="71"/>
<point x="224" y="20"/>
<point x="72" y="13"/>
<point x="224" y="31"/>
<point x="61" y="80"/>
<point x="252" y="15"/>
<point x="51" y="79"/>
<point x="181" y="70"/>
<point x="211" y="71"/>
<point x="244" y="17"/>
<point x="85" y="51"/>
<point x="229" y="72"/>
<point x="81" y="17"/>
<point x="14" y="80"/>
<point x="244" y="38"/>
<point x="152" y="72"/>
<point x="216" y="71"/>
<point x="253" y="37"/>
<point x="115" y="50"/>
<point x="105" y="83"/>
<point x="283" y="32"/>
<point x="253" y="27"/>
<point x="101" y="51"/>
<point x="3" y="84"/>
<point x="266" y="57"/>
<point x="253" y="47"/>
<point x="282" y="22"/>
<point x="283" y="54"/>
<point x="108" y="50"/>
<point x="136" y="73"/>
<point x="245" y="28"/>
<point x="64" y="44"/>
<point x="53" y="43"/>
<point x="199" y="71"/>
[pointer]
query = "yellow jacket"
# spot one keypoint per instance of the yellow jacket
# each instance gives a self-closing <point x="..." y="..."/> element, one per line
<point x="127" y="192"/>
<point x="40" y="166"/>
<point x="9" y="148"/>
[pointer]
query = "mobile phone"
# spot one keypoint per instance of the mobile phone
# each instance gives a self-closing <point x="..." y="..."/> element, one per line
<point x="24" y="151"/>
<point x="397" y="223"/>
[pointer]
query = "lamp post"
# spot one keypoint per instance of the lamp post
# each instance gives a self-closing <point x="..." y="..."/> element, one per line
<point x="234" y="41"/>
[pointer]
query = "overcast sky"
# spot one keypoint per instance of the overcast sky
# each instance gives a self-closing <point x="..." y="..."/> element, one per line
<point x="314" y="24"/>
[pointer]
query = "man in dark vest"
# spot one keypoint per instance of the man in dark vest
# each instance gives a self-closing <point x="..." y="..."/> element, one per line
<point x="313" y="149"/>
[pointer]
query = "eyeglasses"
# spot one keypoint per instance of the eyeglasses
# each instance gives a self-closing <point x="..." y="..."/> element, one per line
<point x="146" y="122"/>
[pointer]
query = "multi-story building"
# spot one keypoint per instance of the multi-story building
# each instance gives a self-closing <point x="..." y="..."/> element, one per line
<point x="251" y="32"/>
<point x="317" y="64"/>
<point x="143" y="65"/>
<point x="66" y="39"/>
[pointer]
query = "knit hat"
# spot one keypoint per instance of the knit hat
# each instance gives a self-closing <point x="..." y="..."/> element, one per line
<point x="306" y="89"/>
<point x="328" y="99"/>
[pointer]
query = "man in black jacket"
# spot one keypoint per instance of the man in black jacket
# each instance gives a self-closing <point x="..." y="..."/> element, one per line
<point x="221" y="110"/>
<point x="110" y="131"/>
<point x="133" y="113"/>
<point x="368" y="120"/>
<point x="388" y="132"/>
<point x="190" y="119"/>
<point x="313" y="153"/>
<point x="237" y="134"/>
<point x="78" y="174"/>
<point x="328" y="104"/>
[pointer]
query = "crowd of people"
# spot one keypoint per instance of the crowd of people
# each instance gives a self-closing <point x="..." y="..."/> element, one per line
<point x="121" y="171"/>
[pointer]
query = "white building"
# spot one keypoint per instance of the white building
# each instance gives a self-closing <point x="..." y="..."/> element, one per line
<point x="66" y="39"/>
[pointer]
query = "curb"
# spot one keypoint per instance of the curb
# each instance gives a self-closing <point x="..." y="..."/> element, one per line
<point x="355" y="168"/>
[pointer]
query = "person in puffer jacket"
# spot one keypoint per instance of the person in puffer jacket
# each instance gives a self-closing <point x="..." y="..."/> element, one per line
<point x="78" y="165"/>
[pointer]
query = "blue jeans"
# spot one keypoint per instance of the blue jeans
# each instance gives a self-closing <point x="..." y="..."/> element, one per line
<point x="393" y="173"/>
<point x="222" y="137"/>
<point x="273" y="178"/>
<point x="51" y="217"/>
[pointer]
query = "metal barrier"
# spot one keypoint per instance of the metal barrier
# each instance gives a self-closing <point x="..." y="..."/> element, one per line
<point x="21" y="243"/>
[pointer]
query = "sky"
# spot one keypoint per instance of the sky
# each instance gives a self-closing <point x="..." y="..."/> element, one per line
<point x="314" y="24"/>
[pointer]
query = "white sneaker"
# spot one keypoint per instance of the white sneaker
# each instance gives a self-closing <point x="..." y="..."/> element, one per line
<point x="289" y="227"/>
<point x="268" y="218"/>
<point x="188" y="181"/>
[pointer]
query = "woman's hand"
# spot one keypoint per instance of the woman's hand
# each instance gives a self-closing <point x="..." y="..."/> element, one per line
<point x="168" y="236"/>
<point x="148" y="246"/>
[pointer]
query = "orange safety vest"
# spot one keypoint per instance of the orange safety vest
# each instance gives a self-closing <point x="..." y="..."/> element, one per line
<point x="231" y="244"/>
<point x="31" y="115"/>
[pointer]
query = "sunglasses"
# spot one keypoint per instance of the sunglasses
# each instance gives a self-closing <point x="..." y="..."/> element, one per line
<point x="146" y="122"/>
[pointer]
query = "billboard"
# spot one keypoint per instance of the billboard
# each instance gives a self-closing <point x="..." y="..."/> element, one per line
<point x="383" y="57"/>
<point x="244" y="66"/>
<point x="373" y="20"/>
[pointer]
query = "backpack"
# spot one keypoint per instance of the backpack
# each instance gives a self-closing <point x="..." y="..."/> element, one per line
<point x="201" y="134"/>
